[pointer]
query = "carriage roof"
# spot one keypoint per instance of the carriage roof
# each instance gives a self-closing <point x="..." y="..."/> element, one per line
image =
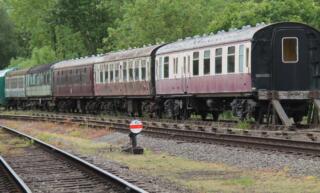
<point x="222" y="37"/>
<point x="130" y="54"/>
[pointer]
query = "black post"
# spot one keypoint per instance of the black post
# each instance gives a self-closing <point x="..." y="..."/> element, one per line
<point x="133" y="137"/>
<point x="135" y="149"/>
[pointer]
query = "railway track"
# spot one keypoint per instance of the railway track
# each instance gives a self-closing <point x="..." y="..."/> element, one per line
<point x="273" y="140"/>
<point x="46" y="168"/>
<point x="10" y="182"/>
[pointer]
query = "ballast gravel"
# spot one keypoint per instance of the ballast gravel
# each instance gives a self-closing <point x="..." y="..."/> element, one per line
<point x="230" y="155"/>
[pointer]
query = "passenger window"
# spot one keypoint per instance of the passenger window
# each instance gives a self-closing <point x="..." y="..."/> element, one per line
<point x="195" y="63"/>
<point x="101" y="76"/>
<point x="136" y="70"/>
<point x="111" y="72"/>
<point x="106" y="74"/>
<point x="175" y="65"/>
<point x="116" y="66"/>
<point x="124" y="71"/>
<point x="131" y="71"/>
<point x="166" y="67"/>
<point x="247" y="57"/>
<point x="143" y="70"/>
<point x="241" y="58"/>
<point x="290" y="50"/>
<point x="206" y="62"/>
<point x="231" y="59"/>
<point x="218" y="61"/>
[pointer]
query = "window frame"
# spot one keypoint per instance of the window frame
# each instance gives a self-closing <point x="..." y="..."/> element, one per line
<point x="206" y="58"/>
<point x="166" y="65"/>
<point x="297" y="50"/>
<point x="197" y="62"/>
<point x="218" y="56"/>
<point x="143" y="65"/>
<point x="136" y="68"/>
<point x="234" y="59"/>
<point x="124" y="71"/>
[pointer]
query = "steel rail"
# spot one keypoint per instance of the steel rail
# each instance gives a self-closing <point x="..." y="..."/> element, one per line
<point x="307" y="147"/>
<point x="13" y="176"/>
<point x="129" y="186"/>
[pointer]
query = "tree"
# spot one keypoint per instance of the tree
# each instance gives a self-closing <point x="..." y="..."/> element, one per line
<point x="252" y="12"/>
<point x="87" y="18"/>
<point x="152" y="21"/>
<point x="8" y="42"/>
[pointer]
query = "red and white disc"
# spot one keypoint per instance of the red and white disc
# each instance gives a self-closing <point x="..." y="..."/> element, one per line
<point x="136" y="126"/>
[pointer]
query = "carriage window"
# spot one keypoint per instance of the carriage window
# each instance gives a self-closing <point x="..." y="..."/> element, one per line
<point x="175" y="66"/>
<point x="166" y="67"/>
<point x="231" y="59"/>
<point x="131" y="71"/>
<point x="106" y="74"/>
<point x="143" y="70"/>
<point x="218" y="61"/>
<point x="116" y="73"/>
<point x="290" y="50"/>
<point x="124" y="71"/>
<point x="101" y="76"/>
<point x="206" y="62"/>
<point x="195" y="63"/>
<point x="111" y="72"/>
<point x="241" y="58"/>
<point x="136" y="70"/>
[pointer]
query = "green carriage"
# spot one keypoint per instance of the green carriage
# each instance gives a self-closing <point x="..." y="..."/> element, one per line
<point x="2" y="85"/>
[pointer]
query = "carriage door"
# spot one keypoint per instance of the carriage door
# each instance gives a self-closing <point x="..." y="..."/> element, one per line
<point x="185" y="73"/>
<point x="291" y="62"/>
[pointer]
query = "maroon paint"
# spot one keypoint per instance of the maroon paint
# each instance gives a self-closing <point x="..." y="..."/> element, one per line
<point x="141" y="88"/>
<point x="228" y="83"/>
<point x="69" y="89"/>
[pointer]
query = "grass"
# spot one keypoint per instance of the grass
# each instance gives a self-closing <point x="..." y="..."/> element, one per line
<point x="11" y="145"/>
<point x="195" y="175"/>
<point x="244" y="125"/>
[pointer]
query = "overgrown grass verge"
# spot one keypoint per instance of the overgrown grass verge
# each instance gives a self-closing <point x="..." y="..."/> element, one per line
<point x="195" y="175"/>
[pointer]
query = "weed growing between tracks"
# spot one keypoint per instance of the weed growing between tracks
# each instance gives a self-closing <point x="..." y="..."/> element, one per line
<point x="11" y="145"/>
<point x="195" y="175"/>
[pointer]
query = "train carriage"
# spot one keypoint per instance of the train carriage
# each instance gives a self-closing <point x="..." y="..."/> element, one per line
<point x="3" y="73"/>
<point x="128" y="75"/>
<point x="73" y="83"/>
<point x="269" y="72"/>
<point x="15" y="90"/>
<point x="39" y="86"/>
<point x="244" y="67"/>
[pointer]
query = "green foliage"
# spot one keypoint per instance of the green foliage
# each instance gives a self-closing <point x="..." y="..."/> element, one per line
<point x="88" y="18"/>
<point x="30" y="18"/>
<point x="41" y="31"/>
<point x="252" y="12"/>
<point x="39" y="56"/>
<point x="152" y="21"/>
<point x="68" y="44"/>
<point x="8" y="41"/>
<point x="244" y="124"/>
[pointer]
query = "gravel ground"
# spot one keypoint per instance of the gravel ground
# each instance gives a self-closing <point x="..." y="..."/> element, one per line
<point x="235" y="156"/>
